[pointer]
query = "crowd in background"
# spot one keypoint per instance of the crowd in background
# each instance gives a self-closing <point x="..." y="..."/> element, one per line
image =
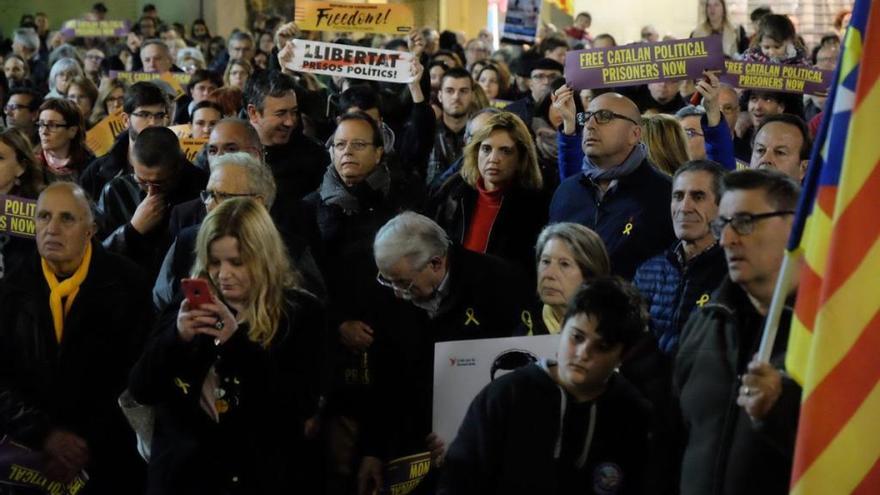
<point x="345" y="226"/>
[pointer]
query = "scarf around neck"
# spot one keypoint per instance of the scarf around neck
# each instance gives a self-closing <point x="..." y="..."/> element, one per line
<point x="67" y="289"/>
<point x="629" y="165"/>
<point x="334" y="192"/>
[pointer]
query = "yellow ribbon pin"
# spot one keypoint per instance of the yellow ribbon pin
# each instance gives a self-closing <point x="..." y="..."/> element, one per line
<point x="470" y="317"/>
<point x="182" y="385"/>
<point x="703" y="300"/>
<point x="627" y="229"/>
<point x="526" y="318"/>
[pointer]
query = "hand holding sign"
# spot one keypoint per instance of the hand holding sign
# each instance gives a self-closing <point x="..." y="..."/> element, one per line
<point x="286" y="33"/>
<point x="709" y="88"/>
<point x="285" y="56"/>
<point x="416" y="43"/>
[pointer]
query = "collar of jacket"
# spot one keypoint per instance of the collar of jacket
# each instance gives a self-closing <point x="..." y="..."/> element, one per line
<point x="729" y="298"/>
<point x="640" y="177"/>
<point x="675" y="255"/>
<point x="118" y="154"/>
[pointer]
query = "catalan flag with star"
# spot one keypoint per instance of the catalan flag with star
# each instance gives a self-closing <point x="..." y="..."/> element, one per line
<point x="835" y="334"/>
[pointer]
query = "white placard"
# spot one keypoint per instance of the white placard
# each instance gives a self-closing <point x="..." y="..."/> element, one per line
<point x="347" y="61"/>
<point x="462" y="368"/>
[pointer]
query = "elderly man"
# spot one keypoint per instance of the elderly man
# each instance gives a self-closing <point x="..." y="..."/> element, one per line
<point x="241" y="45"/>
<point x="156" y="57"/>
<point x="453" y="294"/>
<point x="741" y="431"/>
<point x="26" y="43"/>
<point x="680" y="279"/>
<point x="145" y="106"/>
<point x="782" y="142"/>
<point x="542" y="72"/>
<point x="619" y="194"/>
<point x="73" y="319"/>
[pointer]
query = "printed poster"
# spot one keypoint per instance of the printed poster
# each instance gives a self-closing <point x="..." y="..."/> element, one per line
<point x="100" y="139"/>
<point x="17" y="216"/>
<point x="78" y="28"/>
<point x="361" y="17"/>
<point x="192" y="146"/>
<point x="643" y="63"/>
<point x="355" y="62"/>
<point x="462" y="368"/>
<point x="521" y="21"/>
<point x="403" y="475"/>
<point x="22" y="467"/>
<point x="777" y="77"/>
<point x="173" y="80"/>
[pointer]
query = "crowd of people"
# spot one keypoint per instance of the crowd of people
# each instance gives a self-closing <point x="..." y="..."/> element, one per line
<point x="343" y="227"/>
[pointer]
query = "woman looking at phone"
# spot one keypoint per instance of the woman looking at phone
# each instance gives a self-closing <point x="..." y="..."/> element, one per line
<point x="234" y="380"/>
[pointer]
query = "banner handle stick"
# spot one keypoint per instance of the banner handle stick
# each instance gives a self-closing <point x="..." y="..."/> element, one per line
<point x="780" y="294"/>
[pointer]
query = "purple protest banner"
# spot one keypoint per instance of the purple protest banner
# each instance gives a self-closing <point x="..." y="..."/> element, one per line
<point x="20" y="466"/>
<point x="643" y="63"/>
<point x="95" y="29"/>
<point x="17" y="216"/>
<point x="777" y="77"/>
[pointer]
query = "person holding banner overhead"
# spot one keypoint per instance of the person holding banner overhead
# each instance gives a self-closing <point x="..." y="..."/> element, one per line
<point x="571" y="425"/>
<point x="741" y="414"/>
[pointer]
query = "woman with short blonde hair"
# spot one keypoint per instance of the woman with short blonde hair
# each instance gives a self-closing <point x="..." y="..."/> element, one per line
<point x="665" y="142"/>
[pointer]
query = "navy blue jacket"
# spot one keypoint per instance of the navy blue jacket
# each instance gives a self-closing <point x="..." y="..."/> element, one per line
<point x="673" y="288"/>
<point x="632" y="218"/>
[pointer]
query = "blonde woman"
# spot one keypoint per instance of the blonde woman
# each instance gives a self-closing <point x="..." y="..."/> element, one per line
<point x="665" y="142"/>
<point x="111" y="97"/>
<point x="497" y="204"/>
<point x="237" y="73"/>
<point x="235" y="380"/>
<point x="716" y="21"/>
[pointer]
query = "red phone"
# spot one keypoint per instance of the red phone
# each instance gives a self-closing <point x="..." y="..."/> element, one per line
<point x="197" y="291"/>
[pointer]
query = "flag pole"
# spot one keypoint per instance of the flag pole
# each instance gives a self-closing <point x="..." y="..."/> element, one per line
<point x="780" y="294"/>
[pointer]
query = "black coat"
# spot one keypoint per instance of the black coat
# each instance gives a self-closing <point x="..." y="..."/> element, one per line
<point x="486" y="299"/>
<point x="522" y="215"/>
<point x="297" y="166"/>
<point x="104" y="168"/>
<point x="512" y="440"/>
<point x="74" y="385"/>
<point x="258" y="446"/>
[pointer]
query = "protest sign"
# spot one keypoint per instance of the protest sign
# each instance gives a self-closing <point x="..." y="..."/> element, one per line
<point x="192" y="146"/>
<point x="362" y="17"/>
<point x="521" y="21"/>
<point x="78" y="28"/>
<point x="176" y="80"/>
<point x="100" y="139"/>
<point x="22" y="467"/>
<point x="182" y="130"/>
<point x="348" y="61"/>
<point x="403" y="475"/>
<point x="643" y="63"/>
<point x="777" y="77"/>
<point x="17" y="216"/>
<point x="462" y="368"/>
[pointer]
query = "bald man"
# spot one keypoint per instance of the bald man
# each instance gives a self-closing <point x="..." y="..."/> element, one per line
<point x="619" y="193"/>
<point x="73" y="319"/>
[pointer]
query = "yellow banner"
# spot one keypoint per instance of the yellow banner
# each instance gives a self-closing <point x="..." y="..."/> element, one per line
<point x="362" y="17"/>
<point x="177" y="80"/>
<point x="192" y="146"/>
<point x="100" y="138"/>
<point x="182" y="130"/>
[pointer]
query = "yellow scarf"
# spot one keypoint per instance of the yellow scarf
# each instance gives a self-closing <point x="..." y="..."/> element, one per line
<point x="553" y="325"/>
<point x="68" y="288"/>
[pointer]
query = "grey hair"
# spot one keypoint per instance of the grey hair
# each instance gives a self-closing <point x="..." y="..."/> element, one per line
<point x="239" y="36"/>
<point x="78" y="193"/>
<point x="65" y="64"/>
<point x="189" y="52"/>
<point x="157" y="42"/>
<point x="27" y="37"/>
<point x="690" y="111"/>
<point x="412" y="236"/>
<point x="260" y="179"/>
<point x="253" y="136"/>
<point x="63" y="51"/>
<point x="586" y="246"/>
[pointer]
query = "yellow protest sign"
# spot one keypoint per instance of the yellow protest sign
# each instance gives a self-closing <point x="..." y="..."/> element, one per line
<point x="192" y="146"/>
<point x="362" y="17"/>
<point x="100" y="139"/>
<point x="17" y="216"/>
<point x="182" y="130"/>
<point x="177" y="80"/>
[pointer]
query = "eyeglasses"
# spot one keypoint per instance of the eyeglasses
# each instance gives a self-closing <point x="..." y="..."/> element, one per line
<point x="146" y="185"/>
<point x="219" y="197"/>
<point x="545" y="76"/>
<point x="150" y="115"/>
<point x="14" y="106"/>
<point x="692" y="133"/>
<point x="602" y="117"/>
<point x="51" y="126"/>
<point x="384" y="282"/>
<point x="340" y="146"/>
<point x="743" y="223"/>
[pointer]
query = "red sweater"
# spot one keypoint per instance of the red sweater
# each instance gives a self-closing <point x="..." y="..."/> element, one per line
<point x="488" y="204"/>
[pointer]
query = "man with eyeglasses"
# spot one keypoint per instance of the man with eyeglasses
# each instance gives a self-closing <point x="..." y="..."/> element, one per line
<point x="431" y="290"/>
<point x="543" y="72"/>
<point x="297" y="161"/>
<point x="233" y="175"/>
<point x="619" y="193"/>
<point x="145" y="105"/>
<point x="73" y="320"/>
<point x="741" y="414"/>
<point x="21" y="112"/>
<point x="134" y="208"/>
<point x="92" y="65"/>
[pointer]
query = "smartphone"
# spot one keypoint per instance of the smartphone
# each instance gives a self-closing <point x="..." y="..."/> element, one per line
<point x="197" y="291"/>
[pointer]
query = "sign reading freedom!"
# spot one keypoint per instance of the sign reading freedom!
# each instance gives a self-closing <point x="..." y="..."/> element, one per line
<point x="643" y="63"/>
<point x="348" y="61"/>
<point x="778" y="77"/>
<point x="362" y="17"/>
